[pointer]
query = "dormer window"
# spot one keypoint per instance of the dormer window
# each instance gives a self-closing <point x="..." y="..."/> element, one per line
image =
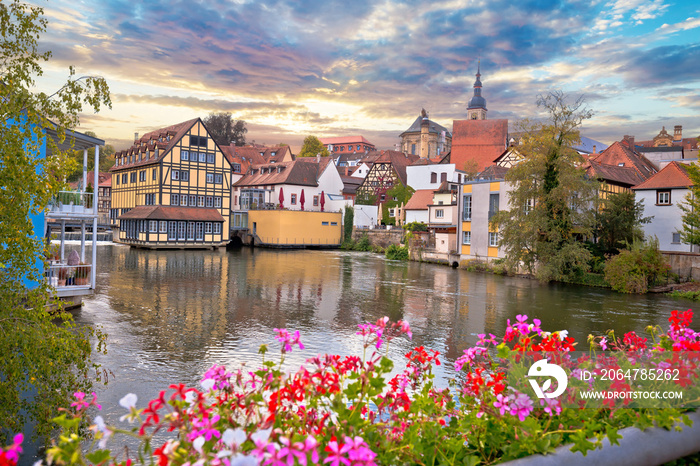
<point x="621" y="164"/>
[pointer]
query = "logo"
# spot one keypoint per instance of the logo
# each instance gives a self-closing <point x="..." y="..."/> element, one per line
<point x="544" y="369"/>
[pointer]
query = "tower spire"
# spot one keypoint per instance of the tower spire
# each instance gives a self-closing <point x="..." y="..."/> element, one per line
<point x="477" y="105"/>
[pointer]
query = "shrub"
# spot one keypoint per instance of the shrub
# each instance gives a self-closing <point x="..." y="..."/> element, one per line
<point x="415" y="226"/>
<point x="363" y="244"/>
<point x="399" y="253"/>
<point x="635" y="269"/>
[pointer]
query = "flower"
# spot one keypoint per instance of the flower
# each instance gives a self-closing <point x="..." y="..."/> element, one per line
<point x="287" y="340"/>
<point x="128" y="401"/>
<point x="233" y="437"/>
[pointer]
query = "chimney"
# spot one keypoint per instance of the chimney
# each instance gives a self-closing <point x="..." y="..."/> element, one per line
<point x="677" y="133"/>
<point x="594" y="149"/>
<point x="629" y="140"/>
<point x="136" y="136"/>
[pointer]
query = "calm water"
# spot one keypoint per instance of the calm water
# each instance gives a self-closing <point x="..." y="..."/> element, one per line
<point x="170" y="315"/>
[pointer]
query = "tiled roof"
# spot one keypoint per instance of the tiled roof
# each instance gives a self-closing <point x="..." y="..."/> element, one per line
<point x="619" y="153"/>
<point x="345" y="140"/>
<point x="433" y="127"/>
<point x="350" y="184"/>
<point x="153" y="139"/>
<point x="673" y="175"/>
<point x="298" y="172"/>
<point x="622" y="175"/>
<point x="480" y="140"/>
<point x="160" y="212"/>
<point x="420" y="200"/>
<point x="493" y="172"/>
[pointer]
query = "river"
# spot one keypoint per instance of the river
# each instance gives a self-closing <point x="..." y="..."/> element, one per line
<point x="170" y="315"/>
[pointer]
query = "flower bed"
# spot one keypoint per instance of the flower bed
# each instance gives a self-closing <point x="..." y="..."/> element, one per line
<point x="345" y="410"/>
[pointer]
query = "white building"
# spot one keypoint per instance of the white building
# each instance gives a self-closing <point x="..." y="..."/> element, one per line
<point x="431" y="176"/>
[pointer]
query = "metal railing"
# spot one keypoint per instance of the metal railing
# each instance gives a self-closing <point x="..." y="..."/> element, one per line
<point x="72" y="202"/>
<point x="62" y="275"/>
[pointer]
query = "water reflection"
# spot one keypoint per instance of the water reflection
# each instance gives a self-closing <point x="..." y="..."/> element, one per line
<point x="170" y="315"/>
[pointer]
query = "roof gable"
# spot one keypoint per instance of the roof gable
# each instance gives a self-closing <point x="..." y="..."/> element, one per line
<point x="673" y="175"/>
<point x="480" y="140"/>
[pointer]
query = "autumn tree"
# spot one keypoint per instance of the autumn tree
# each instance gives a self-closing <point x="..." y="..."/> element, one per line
<point x="312" y="147"/>
<point x="45" y="357"/>
<point x="225" y="130"/>
<point x="551" y="201"/>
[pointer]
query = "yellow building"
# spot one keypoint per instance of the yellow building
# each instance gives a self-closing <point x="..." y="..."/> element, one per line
<point x="172" y="189"/>
<point x="295" y="228"/>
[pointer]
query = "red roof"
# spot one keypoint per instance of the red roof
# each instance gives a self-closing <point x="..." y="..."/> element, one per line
<point x="673" y="175"/>
<point x="480" y="140"/>
<point x="620" y="155"/>
<point x="299" y="172"/>
<point x="159" y="212"/>
<point x="420" y="200"/>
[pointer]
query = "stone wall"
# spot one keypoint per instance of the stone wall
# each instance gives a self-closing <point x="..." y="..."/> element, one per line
<point x="685" y="264"/>
<point x="378" y="237"/>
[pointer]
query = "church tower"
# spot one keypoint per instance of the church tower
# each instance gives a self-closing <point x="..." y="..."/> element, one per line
<point x="477" y="105"/>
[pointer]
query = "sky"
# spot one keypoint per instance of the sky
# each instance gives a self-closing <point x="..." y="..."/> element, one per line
<point x="367" y="67"/>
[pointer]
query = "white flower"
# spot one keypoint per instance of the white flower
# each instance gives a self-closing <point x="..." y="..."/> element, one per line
<point x="243" y="460"/>
<point x="261" y="435"/>
<point x="129" y="401"/>
<point x="233" y="437"/>
<point x="563" y="334"/>
<point x="100" y="426"/>
<point x="198" y="443"/>
<point x="190" y="397"/>
<point x="208" y="384"/>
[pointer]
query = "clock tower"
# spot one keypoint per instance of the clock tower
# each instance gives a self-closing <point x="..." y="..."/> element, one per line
<point x="477" y="105"/>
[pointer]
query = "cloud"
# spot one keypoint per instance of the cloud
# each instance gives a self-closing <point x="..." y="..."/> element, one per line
<point x="664" y="65"/>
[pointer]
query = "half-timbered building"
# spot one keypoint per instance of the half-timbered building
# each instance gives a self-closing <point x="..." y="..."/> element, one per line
<point x="388" y="169"/>
<point x="172" y="189"/>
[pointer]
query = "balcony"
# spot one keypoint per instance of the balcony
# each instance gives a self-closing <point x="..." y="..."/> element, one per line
<point x="70" y="280"/>
<point x="72" y="204"/>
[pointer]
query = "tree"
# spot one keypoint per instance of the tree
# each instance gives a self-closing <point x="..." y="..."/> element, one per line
<point x="397" y="195"/>
<point x="619" y="222"/>
<point x="551" y="203"/>
<point x="106" y="160"/>
<point x="42" y="353"/>
<point x="313" y="147"/>
<point x="691" y="208"/>
<point x="225" y="130"/>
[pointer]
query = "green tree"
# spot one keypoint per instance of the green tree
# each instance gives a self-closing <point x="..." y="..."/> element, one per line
<point x="691" y="208"/>
<point x="551" y="203"/>
<point x="366" y="198"/>
<point x="397" y="195"/>
<point x="106" y="160"/>
<point x="348" y="221"/>
<point x="225" y="130"/>
<point x="312" y="147"/>
<point x="619" y="222"/>
<point x="42" y="353"/>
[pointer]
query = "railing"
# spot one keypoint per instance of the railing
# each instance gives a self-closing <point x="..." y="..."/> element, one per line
<point x="72" y="202"/>
<point x="61" y="275"/>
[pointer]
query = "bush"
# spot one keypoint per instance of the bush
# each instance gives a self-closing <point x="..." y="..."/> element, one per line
<point x="363" y="244"/>
<point x="635" y="269"/>
<point x="398" y="253"/>
<point x="415" y="226"/>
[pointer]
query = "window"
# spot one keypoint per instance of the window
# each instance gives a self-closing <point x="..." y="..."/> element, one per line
<point x="117" y="179"/>
<point x="443" y="177"/>
<point x="294" y="199"/>
<point x="125" y="178"/>
<point x="663" y="197"/>
<point x="493" y="204"/>
<point x="153" y="226"/>
<point x="529" y="204"/>
<point x="210" y="158"/>
<point x="155" y="174"/>
<point x="150" y="199"/>
<point x="391" y="213"/>
<point x="200" y="230"/>
<point x="175" y="175"/>
<point x="185" y="155"/>
<point x="174" y="199"/>
<point x="163" y="226"/>
<point x="133" y="177"/>
<point x="218" y="178"/>
<point x="676" y="238"/>
<point x="334" y="224"/>
<point x="358" y="147"/>
<point x="217" y="202"/>
<point x="193" y="201"/>
<point x="183" y="200"/>
<point x="439" y="213"/>
<point x="172" y="231"/>
<point x="202" y="157"/>
<point x="184" y="175"/>
<point x="433" y="177"/>
<point x="413" y="149"/>
<point x="466" y="237"/>
<point x="210" y="201"/>
<point x="324" y="224"/>
<point x="190" y="230"/>
<point x="493" y="239"/>
<point x="200" y="141"/>
<point x="210" y="177"/>
<point x="200" y="201"/>
<point x="217" y="228"/>
<point x="181" y="230"/>
<point x="142" y="175"/>
<point x="236" y="167"/>
<point x="467" y="208"/>
<point x="315" y="201"/>
<point x="383" y="198"/>
<point x="207" y="227"/>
